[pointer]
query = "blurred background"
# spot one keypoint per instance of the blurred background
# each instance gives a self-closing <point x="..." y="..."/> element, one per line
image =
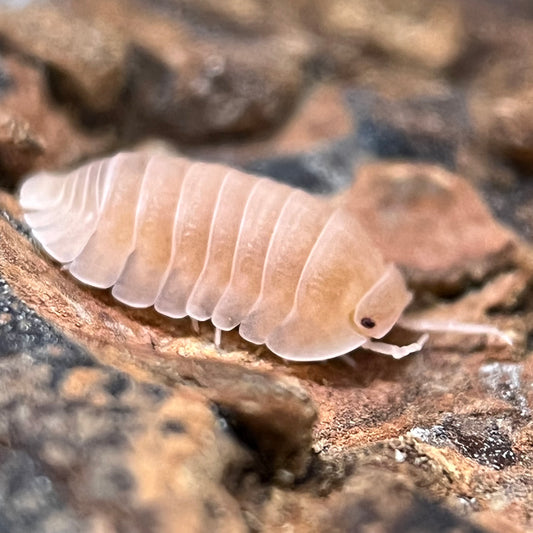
<point x="305" y="91"/>
<point x="114" y="420"/>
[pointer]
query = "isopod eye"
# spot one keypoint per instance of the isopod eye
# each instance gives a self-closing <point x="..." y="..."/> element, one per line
<point x="382" y="304"/>
<point x="367" y="323"/>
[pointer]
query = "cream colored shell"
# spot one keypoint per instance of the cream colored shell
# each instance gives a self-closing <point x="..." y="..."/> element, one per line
<point x="211" y="242"/>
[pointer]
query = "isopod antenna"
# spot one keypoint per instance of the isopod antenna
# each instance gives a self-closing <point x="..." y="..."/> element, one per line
<point x="451" y="326"/>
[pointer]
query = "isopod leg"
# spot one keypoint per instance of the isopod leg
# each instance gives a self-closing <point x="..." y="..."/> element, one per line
<point x="397" y="352"/>
<point x="218" y="337"/>
<point x="195" y="326"/>
<point x="347" y="360"/>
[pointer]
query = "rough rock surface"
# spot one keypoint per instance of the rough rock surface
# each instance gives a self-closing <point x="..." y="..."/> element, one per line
<point x="453" y="419"/>
<point x="508" y="127"/>
<point x="462" y="245"/>
<point x="19" y="146"/>
<point x="34" y="132"/>
<point x="114" y="419"/>
<point x="90" y="57"/>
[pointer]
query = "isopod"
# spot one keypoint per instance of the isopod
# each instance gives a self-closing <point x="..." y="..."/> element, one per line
<point x="207" y="241"/>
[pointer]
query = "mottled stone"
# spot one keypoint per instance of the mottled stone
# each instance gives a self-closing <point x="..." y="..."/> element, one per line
<point x="226" y="91"/>
<point x="35" y="133"/>
<point x="194" y="87"/>
<point x="407" y="511"/>
<point x="116" y="419"/>
<point x="322" y="118"/>
<point x="87" y="59"/>
<point x="182" y="65"/>
<point x="497" y="71"/>
<point x="68" y="436"/>
<point x="19" y="146"/>
<point x="428" y="34"/>
<point x="325" y="170"/>
<point x="5" y="78"/>
<point x="428" y="127"/>
<point x="505" y="123"/>
<point x="498" y="62"/>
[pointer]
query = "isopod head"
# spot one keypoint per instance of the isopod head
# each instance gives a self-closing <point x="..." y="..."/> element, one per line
<point x="381" y="307"/>
<point x="313" y="332"/>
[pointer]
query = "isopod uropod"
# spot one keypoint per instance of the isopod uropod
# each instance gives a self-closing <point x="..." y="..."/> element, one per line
<point x="210" y="242"/>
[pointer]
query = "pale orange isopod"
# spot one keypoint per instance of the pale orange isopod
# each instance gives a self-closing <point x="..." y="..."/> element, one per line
<point x="210" y="242"/>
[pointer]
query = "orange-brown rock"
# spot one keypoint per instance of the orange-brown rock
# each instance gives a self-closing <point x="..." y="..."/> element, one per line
<point x="89" y="57"/>
<point x="432" y="223"/>
<point x="451" y="420"/>
<point x="34" y="131"/>
<point x="114" y="419"/>
<point x="505" y="124"/>
<point x="19" y="146"/>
